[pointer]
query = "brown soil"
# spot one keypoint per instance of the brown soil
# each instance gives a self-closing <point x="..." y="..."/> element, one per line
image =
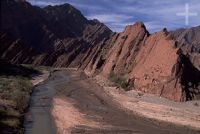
<point x="82" y="106"/>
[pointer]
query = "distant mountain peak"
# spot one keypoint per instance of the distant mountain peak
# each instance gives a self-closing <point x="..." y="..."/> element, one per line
<point x="20" y="0"/>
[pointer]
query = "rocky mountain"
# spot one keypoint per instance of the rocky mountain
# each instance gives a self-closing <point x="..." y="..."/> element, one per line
<point x="15" y="51"/>
<point x="153" y="63"/>
<point x="22" y="21"/>
<point x="188" y="38"/>
<point x="51" y="32"/>
<point x="162" y="63"/>
<point x="189" y="41"/>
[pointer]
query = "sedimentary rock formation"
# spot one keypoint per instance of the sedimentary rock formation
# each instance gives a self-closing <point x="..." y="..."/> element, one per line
<point x="162" y="63"/>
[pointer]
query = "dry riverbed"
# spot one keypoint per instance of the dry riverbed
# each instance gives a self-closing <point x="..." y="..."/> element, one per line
<point x="83" y="106"/>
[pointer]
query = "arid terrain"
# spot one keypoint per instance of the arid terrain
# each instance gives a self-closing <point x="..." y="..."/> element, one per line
<point x="61" y="72"/>
<point x="80" y="105"/>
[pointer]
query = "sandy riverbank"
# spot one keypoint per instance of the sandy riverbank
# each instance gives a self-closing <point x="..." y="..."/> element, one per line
<point x="153" y="107"/>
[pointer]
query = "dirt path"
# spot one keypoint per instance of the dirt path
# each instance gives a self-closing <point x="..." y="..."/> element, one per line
<point x="82" y="106"/>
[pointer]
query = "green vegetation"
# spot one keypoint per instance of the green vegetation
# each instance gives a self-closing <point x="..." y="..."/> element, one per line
<point x="120" y="81"/>
<point x="15" y="90"/>
<point x="14" y="97"/>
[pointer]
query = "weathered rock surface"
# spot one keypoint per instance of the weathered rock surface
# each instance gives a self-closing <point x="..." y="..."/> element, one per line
<point x="146" y="59"/>
<point x="120" y="58"/>
<point x="153" y="63"/>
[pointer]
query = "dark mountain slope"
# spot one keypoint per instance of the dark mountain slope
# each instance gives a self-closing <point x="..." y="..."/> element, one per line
<point x="56" y="33"/>
<point x="189" y="41"/>
<point x="25" y="22"/>
<point x="189" y="38"/>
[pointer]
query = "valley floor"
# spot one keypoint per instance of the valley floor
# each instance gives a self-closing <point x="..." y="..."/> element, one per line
<point x="83" y="106"/>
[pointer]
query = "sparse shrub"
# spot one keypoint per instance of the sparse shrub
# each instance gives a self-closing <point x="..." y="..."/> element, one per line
<point x="15" y="92"/>
<point x="120" y="81"/>
<point x="23" y="84"/>
<point x="125" y="86"/>
<point x="15" y="89"/>
<point x="20" y="99"/>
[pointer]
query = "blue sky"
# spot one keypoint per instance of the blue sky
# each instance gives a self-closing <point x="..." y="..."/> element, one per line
<point x="116" y="14"/>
